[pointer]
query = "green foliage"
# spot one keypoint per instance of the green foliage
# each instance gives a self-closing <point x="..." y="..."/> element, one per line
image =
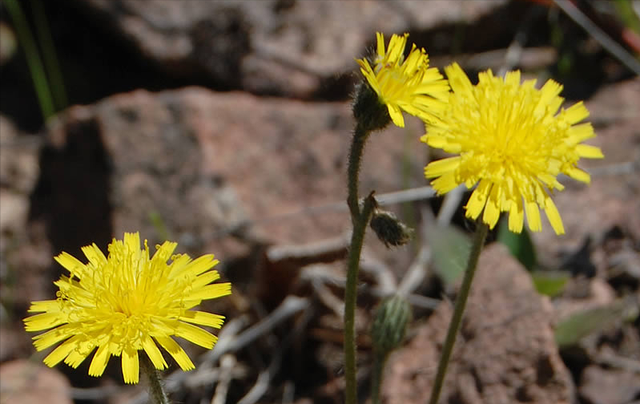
<point x="520" y="245"/>
<point x="450" y="248"/>
<point x="571" y="330"/>
<point x="47" y="82"/>
<point x="625" y="11"/>
<point x="550" y="283"/>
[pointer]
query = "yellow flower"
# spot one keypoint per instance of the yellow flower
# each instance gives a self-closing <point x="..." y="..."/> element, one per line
<point x="125" y="303"/>
<point x="512" y="142"/>
<point x="408" y="85"/>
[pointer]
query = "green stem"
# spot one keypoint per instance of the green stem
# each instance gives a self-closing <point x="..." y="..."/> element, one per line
<point x="478" y="242"/>
<point x="156" y="391"/>
<point x="380" y="358"/>
<point x="33" y="58"/>
<point x="360" y="136"/>
<point x="350" y="297"/>
<point x="49" y="55"/>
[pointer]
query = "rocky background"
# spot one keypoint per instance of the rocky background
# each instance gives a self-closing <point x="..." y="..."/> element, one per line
<point x="224" y="125"/>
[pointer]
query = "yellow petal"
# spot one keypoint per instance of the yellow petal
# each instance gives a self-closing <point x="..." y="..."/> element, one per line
<point x="491" y="212"/>
<point x="549" y="95"/>
<point x="445" y="183"/>
<point x="44" y="321"/>
<point x="61" y="352"/>
<point x="554" y="216"/>
<point x="100" y="360"/>
<point x="396" y="115"/>
<point x="94" y="255"/>
<point x="478" y="199"/>
<point x="578" y="175"/>
<point x="180" y="356"/>
<point x="576" y="113"/>
<point x="196" y="335"/>
<point x="458" y="80"/>
<point x="210" y="291"/>
<point x="154" y="353"/>
<point x="44" y="306"/>
<point x="589" y="152"/>
<point x="368" y="73"/>
<point x="441" y="167"/>
<point x="580" y="133"/>
<point x="533" y="216"/>
<point x="201" y="265"/>
<point x="516" y="216"/>
<point x="70" y="263"/>
<point x="512" y="78"/>
<point x="130" y="366"/>
<point x="380" y="44"/>
<point x="78" y="355"/>
<point x="52" y="337"/>
<point x="203" y="318"/>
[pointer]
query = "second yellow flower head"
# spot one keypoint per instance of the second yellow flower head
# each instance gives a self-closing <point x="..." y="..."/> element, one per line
<point x="511" y="140"/>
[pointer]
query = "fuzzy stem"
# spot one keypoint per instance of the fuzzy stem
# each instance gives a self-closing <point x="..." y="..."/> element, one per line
<point x="478" y="242"/>
<point x="350" y="297"/>
<point x="380" y="358"/>
<point x="360" y="136"/>
<point x="156" y="391"/>
<point x="359" y="221"/>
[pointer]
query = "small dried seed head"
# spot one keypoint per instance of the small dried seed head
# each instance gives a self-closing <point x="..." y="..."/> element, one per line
<point x="390" y="230"/>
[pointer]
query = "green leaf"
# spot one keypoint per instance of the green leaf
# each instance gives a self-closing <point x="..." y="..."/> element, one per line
<point x="519" y="244"/>
<point x="450" y="250"/>
<point x="577" y="326"/>
<point x="550" y="283"/>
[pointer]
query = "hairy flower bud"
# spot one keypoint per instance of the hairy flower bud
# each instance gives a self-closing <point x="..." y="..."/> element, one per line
<point x="390" y="324"/>
<point x="390" y="230"/>
<point x="370" y="113"/>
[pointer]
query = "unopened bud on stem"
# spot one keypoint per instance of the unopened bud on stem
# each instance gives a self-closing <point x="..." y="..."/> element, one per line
<point x="390" y="324"/>
<point x="390" y="230"/>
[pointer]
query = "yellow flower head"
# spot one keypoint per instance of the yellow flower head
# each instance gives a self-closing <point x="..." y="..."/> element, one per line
<point x="512" y="142"/>
<point x="125" y="303"/>
<point x="408" y="85"/>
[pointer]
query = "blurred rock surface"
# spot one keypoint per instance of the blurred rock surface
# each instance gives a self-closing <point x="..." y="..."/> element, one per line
<point x="198" y="166"/>
<point x="609" y="386"/>
<point x="279" y="47"/>
<point x="26" y="382"/>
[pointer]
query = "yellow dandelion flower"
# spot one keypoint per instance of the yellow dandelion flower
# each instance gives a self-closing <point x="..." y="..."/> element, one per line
<point x="512" y="142"/>
<point x="125" y="303"/>
<point x="405" y="84"/>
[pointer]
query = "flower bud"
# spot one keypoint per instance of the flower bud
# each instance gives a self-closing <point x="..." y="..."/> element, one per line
<point x="389" y="229"/>
<point x="390" y="324"/>
<point x="370" y="113"/>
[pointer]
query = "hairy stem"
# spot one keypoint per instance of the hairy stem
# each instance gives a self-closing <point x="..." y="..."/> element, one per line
<point x="359" y="221"/>
<point x="156" y="391"/>
<point x="478" y="242"/>
<point x="380" y="358"/>
<point x="353" y="171"/>
<point x="350" y="297"/>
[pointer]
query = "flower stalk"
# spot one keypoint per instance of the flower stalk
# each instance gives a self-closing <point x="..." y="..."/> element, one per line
<point x="360" y="137"/>
<point x="461" y="301"/>
<point x="350" y="297"/>
<point x="156" y="391"/>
